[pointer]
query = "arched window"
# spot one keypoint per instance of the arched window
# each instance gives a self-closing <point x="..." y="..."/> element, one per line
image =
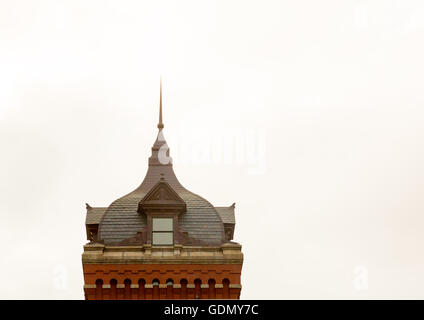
<point x="155" y="284"/>
<point x="183" y="292"/>
<point x="127" y="289"/>
<point x="211" y="290"/>
<point x="226" y="288"/>
<point x="169" y="289"/>
<point x="99" y="289"/>
<point x="113" y="284"/>
<point x="197" y="289"/>
<point x="141" y="292"/>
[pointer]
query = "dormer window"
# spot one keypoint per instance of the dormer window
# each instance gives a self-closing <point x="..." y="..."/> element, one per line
<point x="162" y="207"/>
<point x="163" y="231"/>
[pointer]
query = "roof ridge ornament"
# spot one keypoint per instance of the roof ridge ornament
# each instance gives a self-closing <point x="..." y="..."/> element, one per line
<point x="160" y="124"/>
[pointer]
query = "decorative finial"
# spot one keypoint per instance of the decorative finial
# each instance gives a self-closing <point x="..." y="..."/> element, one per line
<point x="160" y="124"/>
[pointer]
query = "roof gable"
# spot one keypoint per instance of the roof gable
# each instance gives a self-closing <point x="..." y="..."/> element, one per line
<point x="162" y="197"/>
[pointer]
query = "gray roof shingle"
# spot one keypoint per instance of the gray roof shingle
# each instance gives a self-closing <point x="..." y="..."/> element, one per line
<point x="226" y="214"/>
<point x="94" y="215"/>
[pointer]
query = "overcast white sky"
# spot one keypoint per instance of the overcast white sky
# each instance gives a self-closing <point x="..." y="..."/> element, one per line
<point x="308" y="114"/>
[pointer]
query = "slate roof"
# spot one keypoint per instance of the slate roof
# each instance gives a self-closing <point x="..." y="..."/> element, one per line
<point x="226" y="214"/>
<point x="122" y="221"/>
<point x="94" y="215"/>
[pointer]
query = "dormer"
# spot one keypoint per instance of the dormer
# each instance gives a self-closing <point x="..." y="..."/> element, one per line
<point x="228" y="219"/>
<point x="92" y="220"/>
<point x="162" y="206"/>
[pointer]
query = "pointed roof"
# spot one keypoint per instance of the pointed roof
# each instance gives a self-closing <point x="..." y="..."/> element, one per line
<point x="160" y="124"/>
<point x="160" y="149"/>
<point x="122" y="220"/>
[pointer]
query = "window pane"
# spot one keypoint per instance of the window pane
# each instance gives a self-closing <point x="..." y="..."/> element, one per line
<point x="162" y="224"/>
<point x="163" y="238"/>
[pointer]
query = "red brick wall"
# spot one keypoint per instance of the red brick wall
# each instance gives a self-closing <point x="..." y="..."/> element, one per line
<point x="215" y="281"/>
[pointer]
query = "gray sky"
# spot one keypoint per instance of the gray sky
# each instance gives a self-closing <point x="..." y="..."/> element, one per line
<point x="310" y="111"/>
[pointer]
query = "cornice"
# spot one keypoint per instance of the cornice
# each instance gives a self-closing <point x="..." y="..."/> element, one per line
<point x="229" y="253"/>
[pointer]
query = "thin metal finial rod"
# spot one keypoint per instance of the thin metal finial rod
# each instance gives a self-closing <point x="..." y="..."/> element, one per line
<point x="160" y="124"/>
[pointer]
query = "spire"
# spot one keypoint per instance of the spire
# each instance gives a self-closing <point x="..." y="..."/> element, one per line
<point x="160" y="149"/>
<point x="160" y="124"/>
